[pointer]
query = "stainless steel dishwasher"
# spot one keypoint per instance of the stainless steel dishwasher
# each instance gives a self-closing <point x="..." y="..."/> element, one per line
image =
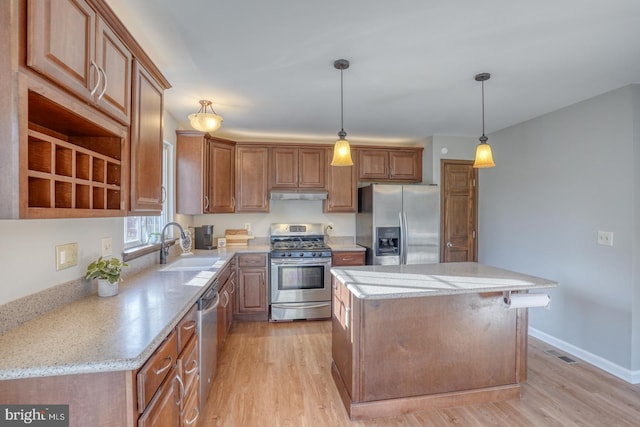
<point x="208" y="336"/>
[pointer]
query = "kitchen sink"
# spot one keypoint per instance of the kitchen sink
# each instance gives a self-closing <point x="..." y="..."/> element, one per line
<point x="193" y="264"/>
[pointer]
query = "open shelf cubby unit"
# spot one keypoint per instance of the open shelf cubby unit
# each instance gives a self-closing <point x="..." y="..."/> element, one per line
<point x="74" y="167"/>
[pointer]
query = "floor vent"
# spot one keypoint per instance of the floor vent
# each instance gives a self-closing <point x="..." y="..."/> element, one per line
<point x="561" y="356"/>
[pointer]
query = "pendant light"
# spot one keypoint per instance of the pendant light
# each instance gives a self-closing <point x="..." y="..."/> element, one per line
<point x="341" y="150"/>
<point x="484" y="158"/>
<point x="203" y="121"/>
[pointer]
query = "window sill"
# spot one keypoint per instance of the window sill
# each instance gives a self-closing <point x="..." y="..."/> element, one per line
<point x="130" y="254"/>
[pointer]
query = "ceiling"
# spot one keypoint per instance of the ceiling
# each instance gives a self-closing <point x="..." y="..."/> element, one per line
<point x="268" y="65"/>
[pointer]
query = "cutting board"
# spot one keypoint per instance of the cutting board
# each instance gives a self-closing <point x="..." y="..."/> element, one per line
<point x="237" y="237"/>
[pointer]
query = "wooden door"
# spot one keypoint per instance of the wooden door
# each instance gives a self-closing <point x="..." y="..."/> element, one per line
<point x="373" y="164"/>
<point x="114" y="59"/>
<point x="311" y="167"/>
<point x="459" y="211"/>
<point x="252" y="290"/>
<point x="342" y="187"/>
<point x="251" y="179"/>
<point x="61" y="43"/>
<point x="284" y="167"/>
<point x="405" y="165"/>
<point x="221" y="178"/>
<point x="146" y="144"/>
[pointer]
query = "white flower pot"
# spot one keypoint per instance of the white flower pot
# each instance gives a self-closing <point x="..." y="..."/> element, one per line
<point x="107" y="289"/>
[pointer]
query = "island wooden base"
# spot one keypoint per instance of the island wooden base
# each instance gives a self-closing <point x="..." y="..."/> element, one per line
<point x="406" y="405"/>
<point x="394" y="356"/>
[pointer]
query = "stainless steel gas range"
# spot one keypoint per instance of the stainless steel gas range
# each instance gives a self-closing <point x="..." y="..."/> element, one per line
<point x="300" y="272"/>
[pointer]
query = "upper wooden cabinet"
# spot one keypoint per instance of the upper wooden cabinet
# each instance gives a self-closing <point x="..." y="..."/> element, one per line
<point x="205" y="174"/>
<point x="252" y="166"/>
<point x="82" y="117"/>
<point x="341" y="186"/>
<point x="71" y="44"/>
<point x="146" y="144"/>
<point x="292" y="167"/>
<point x="390" y="164"/>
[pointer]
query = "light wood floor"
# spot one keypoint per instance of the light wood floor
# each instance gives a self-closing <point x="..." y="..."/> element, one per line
<point x="278" y="374"/>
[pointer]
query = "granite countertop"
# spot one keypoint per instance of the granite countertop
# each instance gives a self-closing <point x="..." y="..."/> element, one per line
<point x="96" y="334"/>
<point x="418" y="280"/>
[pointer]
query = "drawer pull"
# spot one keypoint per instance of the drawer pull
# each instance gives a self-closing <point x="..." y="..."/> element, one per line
<point x="189" y="326"/>
<point x="179" y="402"/>
<point x="348" y="258"/>
<point x="193" y="420"/>
<point x="195" y="368"/>
<point x="164" y="368"/>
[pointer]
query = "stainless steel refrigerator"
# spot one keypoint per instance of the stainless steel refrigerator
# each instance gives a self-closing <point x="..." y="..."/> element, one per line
<point x="399" y="224"/>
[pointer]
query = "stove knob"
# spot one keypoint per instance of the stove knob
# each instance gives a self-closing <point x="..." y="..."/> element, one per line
<point x="314" y="254"/>
<point x="288" y="254"/>
<point x="301" y="254"/>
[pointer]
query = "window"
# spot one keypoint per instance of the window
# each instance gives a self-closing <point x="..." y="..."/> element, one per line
<point x="139" y="230"/>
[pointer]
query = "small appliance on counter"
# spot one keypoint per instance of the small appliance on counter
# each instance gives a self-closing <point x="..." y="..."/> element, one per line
<point x="204" y="237"/>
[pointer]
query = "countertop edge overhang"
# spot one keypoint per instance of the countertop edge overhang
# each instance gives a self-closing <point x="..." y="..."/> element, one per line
<point x="96" y="334"/>
<point x="428" y="280"/>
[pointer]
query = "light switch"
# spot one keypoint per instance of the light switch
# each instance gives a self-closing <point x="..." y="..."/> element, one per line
<point x="66" y="256"/>
<point x="107" y="244"/>
<point x="605" y="238"/>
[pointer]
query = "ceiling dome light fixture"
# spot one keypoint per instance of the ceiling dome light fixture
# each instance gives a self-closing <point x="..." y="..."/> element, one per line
<point x="484" y="158"/>
<point x="341" y="150"/>
<point x="203" y="121"/>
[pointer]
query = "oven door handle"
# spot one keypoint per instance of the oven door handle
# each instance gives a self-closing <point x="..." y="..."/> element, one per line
<point x="302" y="261"/>
<point x="300" y="305"/>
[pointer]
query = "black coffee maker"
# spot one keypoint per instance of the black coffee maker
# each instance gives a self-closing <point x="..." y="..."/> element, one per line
<point x="204" y="237"/>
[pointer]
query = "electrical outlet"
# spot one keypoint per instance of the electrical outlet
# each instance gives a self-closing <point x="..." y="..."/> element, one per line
<point x="66" y="256"/>
<point x="605" y="238"/>
<point x="247" y="226"/>
<point x="107" y="243"/>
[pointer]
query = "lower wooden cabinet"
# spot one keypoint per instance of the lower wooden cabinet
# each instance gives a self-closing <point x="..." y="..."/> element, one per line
<point x="164" y="411"/>
<point x="343" y="258"/>
<point x="252" y="295"/>
<point x="160" y="393"/>
<point x="227" y="291"/>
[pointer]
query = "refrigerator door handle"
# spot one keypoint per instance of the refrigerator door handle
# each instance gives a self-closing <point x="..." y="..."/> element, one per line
<point x="405" y="240"/>
<point x="401" y="245"/>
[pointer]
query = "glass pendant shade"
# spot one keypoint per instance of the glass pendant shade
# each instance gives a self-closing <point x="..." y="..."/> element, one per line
<point x="484" y="158"/>
<point x="203" y="121"/>
<point x="342" y="153"/>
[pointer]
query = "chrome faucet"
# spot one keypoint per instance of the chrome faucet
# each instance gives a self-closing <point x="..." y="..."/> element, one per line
<point x="164" y="250"/>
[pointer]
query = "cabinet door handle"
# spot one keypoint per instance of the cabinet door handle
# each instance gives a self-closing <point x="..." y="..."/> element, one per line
<point x="195" y="367"/>
<point x="193" y="420"/>
<point x="106" y="82"/>
<point x="206" y="203"/>
<point x="95" y="88"/>
<point x="227" y="302"/>
<point x="179" y="402"/>
<point x="189" y="326"/>
<point x="347" y="316"/>
<point x="169" y="359"/>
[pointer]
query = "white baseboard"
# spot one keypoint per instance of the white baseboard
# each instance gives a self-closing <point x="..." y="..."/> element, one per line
<point x="632" y="377"/>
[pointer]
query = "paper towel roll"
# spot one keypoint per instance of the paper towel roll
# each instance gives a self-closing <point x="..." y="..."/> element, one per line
<point x="528" y="300"/>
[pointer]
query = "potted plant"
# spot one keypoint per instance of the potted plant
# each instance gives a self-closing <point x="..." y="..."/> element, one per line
<point x="107" y="271"/>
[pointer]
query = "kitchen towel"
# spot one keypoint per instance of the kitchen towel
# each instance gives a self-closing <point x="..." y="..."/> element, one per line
<point x="527" y="300"/>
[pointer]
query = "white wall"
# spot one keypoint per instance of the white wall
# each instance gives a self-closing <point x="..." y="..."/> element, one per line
<point x="451" y="147"/>
<point x="558" y="180"/>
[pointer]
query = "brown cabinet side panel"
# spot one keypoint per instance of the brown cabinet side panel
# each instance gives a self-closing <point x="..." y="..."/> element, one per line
<point x="99" y="399"/>
<point x="146" y="143"/>
<point x="436" y="345"/>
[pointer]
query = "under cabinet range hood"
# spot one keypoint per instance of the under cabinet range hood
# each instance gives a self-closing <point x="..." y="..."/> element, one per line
<point x="299" y="194"/>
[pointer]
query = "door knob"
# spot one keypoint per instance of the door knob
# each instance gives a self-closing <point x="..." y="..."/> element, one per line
<point x="449" y="244"/>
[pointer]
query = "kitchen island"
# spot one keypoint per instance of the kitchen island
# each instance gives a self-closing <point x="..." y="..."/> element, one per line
<point x="413" y="337"/>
